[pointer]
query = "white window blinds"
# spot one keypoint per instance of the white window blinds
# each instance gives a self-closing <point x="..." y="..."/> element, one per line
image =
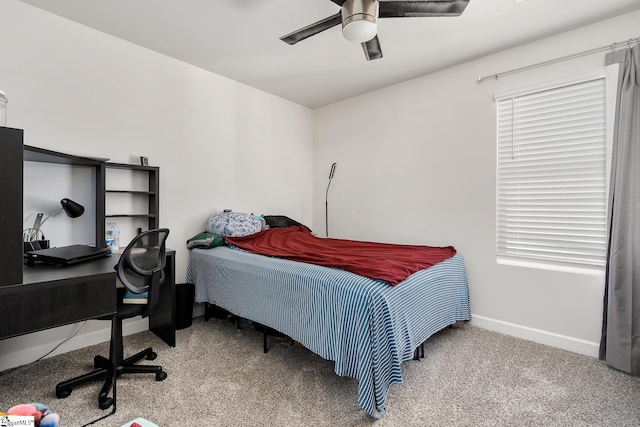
<point x="552" y="175"/>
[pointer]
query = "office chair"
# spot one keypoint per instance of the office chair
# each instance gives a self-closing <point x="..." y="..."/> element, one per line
<point x="140" y="269"/>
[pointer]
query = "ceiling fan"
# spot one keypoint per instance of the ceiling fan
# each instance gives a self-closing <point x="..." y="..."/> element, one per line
<point x="359" y="19"/>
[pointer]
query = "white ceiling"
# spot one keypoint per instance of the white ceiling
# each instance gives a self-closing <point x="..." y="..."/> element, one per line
<point x="239" y="39"/>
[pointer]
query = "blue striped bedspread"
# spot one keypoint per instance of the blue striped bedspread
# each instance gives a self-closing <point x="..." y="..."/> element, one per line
<point x="367" y="328"/>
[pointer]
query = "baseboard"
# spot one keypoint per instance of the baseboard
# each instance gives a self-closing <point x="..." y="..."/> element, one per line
<point x="32" y="353"/>
<point x="564" y="342"/>
<point x="51" y="338"/>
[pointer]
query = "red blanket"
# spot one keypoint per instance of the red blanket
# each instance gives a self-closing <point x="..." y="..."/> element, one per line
<point x="379" y="261"/>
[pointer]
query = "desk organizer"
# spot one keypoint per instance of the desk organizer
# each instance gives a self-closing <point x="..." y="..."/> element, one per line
<point x="36" y="245"/>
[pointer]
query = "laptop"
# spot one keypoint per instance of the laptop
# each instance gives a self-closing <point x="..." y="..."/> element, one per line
<point x="67" y="254"/>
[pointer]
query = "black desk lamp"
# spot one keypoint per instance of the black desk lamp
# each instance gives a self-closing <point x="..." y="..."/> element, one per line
<point x="71" y="208"/>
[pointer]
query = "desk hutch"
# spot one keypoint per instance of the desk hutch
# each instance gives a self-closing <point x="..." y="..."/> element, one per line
<point x="26" y="290"/>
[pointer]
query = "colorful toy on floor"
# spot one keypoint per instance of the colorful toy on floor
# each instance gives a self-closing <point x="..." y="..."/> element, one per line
<point x="139" y="422"/>
<point x="41" y="414"/>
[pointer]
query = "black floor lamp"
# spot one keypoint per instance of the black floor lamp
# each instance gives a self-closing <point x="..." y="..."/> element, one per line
<point x="326" y="200"/>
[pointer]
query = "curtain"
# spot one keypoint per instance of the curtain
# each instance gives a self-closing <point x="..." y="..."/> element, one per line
<point x="620" y="343"/>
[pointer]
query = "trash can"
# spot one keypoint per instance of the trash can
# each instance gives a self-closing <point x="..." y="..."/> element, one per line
<point x="185" y="293"/>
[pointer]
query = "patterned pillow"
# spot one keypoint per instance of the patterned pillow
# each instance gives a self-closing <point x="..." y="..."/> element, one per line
<point x="233" y="224"/>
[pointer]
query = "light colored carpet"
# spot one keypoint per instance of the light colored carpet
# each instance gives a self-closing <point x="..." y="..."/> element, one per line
<point x="219" y="376"/>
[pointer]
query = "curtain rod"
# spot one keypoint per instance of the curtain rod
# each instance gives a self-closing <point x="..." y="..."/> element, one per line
<point x="562" y="58"/>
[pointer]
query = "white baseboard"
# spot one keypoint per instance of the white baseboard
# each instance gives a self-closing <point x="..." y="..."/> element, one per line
<point x="16" y="351"/>
<point x="99" y="335"/>
<point x="17" y="358"/>
<point x="564" y="342"/>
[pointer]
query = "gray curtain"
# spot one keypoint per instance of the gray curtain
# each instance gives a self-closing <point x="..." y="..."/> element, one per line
<point x="620" y="343"/>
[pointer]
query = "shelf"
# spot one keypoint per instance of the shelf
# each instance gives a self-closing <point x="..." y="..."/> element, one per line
<point x="145" y="183"/>
<point x="130" y="215"/>
<point x="131" y="167"/>
<point x="35" y="154"/>
<point x="146" y="193"/>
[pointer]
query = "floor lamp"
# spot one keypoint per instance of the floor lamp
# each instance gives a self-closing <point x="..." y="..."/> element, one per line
<point x="326" y="200"/>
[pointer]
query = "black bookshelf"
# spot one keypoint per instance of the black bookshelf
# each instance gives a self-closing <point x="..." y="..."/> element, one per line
<point x="151" y="194"/>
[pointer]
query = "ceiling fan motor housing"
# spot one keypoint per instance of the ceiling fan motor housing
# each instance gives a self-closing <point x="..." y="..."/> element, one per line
<point x="359" y="20"/>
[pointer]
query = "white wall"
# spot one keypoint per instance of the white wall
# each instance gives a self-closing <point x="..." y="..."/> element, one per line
<point x="219" y="144"/>
<point x="417" y="164"/>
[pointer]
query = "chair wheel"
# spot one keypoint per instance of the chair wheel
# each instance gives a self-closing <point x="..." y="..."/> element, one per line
<point x="62" y="394"/>
<point x="152" y="356"/>
<point x="105" y="403"/>
<point x="99" y="362"/>
<point x="161" y="376"/>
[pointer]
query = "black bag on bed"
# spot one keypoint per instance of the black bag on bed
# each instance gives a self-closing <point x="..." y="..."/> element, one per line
<point x="282" y="221"/>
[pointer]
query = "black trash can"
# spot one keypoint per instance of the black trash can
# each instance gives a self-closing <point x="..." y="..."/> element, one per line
<point x="185" y="293"/>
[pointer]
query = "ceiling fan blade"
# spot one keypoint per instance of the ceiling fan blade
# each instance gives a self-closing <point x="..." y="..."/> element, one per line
<point x="372" y="49"/>
<point x="339" y="2"/>
<point x="313" y="29"/>
<point x="417" y="9"/>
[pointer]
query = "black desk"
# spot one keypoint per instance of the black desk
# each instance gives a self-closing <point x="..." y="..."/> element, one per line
<point x="51" y="296"/>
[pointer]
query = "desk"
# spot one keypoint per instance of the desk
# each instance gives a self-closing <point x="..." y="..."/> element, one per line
<point x="52" y="295"/>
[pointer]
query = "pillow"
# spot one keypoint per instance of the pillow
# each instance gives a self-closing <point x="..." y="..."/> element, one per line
<point x="233" y="224"/>
<point x="205" y="240"/>
<point x="282" y="221"/>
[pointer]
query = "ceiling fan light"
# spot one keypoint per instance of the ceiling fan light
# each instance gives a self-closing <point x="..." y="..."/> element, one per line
<point x="359" y="20"/>
<point x="359" y="30"/>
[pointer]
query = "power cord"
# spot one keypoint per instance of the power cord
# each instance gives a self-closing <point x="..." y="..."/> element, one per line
<point x="113" y="411"/>
<point x="114" y="372"/>
<point x="46" y="354"/>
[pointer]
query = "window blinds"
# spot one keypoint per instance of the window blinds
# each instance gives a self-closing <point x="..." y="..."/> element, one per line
<point x="552" y="174"/>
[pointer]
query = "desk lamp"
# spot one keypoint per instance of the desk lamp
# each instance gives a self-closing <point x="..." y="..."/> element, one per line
<point x="71" y="208"/>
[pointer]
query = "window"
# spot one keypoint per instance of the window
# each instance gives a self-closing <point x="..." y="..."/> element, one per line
<point x="551" y="183"/>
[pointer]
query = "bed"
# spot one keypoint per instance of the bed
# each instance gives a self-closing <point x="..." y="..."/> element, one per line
<point x="367" y="327"/>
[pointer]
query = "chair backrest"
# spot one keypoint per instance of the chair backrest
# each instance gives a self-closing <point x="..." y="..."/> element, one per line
<point x="141" y="265"/>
